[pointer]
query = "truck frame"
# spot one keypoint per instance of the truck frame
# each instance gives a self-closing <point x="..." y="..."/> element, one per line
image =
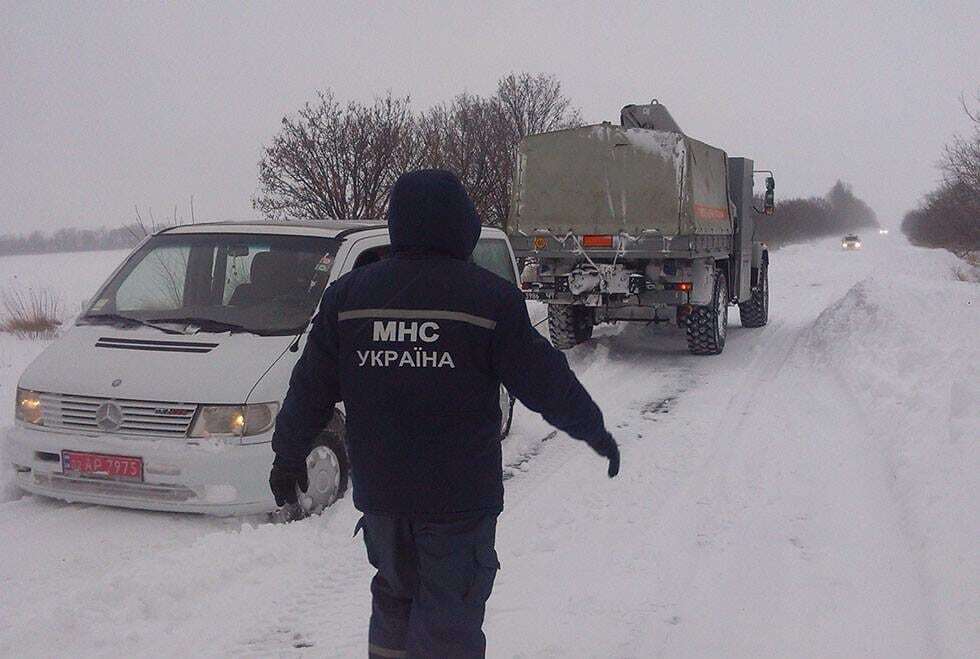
<point x="638" y="222"/>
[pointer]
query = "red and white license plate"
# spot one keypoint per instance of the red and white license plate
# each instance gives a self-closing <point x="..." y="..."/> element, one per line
<point x="118" y="467"/>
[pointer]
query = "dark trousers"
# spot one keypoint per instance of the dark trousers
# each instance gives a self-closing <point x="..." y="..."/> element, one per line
<point x="429" y="595"/>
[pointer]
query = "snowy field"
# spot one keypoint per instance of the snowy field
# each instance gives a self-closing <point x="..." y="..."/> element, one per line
<point x="812" y="492"/>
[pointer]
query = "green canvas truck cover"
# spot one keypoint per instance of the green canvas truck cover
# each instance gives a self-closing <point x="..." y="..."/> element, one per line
<point x="606" y="179"/>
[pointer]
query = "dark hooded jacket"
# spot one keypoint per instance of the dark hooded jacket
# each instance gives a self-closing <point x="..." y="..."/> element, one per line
<point x="417" y="346"/>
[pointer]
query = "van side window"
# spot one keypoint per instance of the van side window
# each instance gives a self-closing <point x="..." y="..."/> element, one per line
<point x="492" y="254"/>
<point x="371" y="255"/>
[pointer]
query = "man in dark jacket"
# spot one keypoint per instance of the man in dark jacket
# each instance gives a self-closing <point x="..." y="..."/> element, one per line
<point x="417" y="347"/>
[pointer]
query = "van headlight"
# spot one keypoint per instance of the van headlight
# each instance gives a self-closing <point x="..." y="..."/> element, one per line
<point x="234" y="420"/>
<point x="28" y="407"/>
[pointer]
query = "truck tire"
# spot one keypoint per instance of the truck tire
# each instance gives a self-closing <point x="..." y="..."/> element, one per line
<point x="707" y="326"/>
<point x="327" y="467"/>
<point x="568" y="325"/>
<point x="755" y="310"/>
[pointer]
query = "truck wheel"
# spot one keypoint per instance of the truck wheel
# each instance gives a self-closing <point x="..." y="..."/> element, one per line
<point x="755" y="310"/>
<point x="506" y="412"/>
<point x="327" y="467"/>
<point x="708" y="325"/>
<point x="569" y="325"/>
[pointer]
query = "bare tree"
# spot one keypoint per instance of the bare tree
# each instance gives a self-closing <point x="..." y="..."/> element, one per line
<point x="535" y="104"/>
<point x="333" y="161"/>
<point x="527" y="104"/>
<point x="465" y="137"/>
<point x="336" y="162"/>
<point x="949" y="216"/>
<point x="961" y="161"/>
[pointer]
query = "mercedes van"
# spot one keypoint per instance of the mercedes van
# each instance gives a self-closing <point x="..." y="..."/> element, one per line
<point x="163" y="393"/>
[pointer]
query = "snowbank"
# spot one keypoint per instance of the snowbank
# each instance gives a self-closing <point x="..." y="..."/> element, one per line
<point x="906" y="349"/>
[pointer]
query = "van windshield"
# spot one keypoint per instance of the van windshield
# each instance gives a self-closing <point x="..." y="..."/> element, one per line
<point x="220" y="282"/>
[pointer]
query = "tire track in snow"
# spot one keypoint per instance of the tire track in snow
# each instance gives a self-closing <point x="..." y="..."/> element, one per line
<point x="628" y="417"/>
<point x="731" y="513"/>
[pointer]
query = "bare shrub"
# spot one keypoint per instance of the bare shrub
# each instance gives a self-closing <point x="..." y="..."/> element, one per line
<point x="31" y="314"/>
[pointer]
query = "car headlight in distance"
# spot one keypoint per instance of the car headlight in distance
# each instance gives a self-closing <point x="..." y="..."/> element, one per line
<point x="234" y="420"/>
<point x="28" y="407"/>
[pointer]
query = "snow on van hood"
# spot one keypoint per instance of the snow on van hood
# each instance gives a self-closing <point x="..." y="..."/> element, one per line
<point x="75" y="365"/>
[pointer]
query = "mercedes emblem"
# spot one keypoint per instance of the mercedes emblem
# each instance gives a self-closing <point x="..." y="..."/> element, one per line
<point x="109" y="417"/>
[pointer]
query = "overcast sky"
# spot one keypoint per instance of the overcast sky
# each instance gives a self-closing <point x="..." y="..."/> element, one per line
<point x="107" y="106"/>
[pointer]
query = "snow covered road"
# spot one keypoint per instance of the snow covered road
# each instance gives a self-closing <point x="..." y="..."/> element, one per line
<point x="811" y="492"/>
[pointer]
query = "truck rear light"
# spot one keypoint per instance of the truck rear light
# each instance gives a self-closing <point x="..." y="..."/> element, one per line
<point x="684" y="286"/>
<point x="596" y="241"/>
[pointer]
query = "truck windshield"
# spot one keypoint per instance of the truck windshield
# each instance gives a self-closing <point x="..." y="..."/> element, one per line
<point x="220" y="282"/>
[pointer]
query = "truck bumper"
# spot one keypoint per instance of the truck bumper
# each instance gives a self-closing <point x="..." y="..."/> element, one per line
<point x="663" y="298"/>
<point x="213" y="479"/>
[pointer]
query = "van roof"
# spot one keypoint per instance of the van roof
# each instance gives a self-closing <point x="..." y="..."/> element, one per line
<point x="325" y="228"/>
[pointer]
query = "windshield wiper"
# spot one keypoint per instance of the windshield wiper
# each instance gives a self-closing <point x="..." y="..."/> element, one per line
<point x="116" y="318"/>
<point x="205" y="324"/>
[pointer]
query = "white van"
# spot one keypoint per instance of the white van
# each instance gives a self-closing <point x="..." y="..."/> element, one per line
<point x="164" y="392"/>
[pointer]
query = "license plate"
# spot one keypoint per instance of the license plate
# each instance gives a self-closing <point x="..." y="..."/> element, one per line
<point x="116" y="467"/>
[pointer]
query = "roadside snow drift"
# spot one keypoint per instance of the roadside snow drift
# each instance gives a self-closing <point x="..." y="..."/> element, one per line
<point x="813" y="491"/>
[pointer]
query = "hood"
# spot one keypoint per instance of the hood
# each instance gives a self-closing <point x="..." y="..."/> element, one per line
<point x="429" y="211"/>
<point x="155" y="366"/>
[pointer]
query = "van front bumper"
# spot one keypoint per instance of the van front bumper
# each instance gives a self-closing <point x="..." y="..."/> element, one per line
<point x="220" y="479"/>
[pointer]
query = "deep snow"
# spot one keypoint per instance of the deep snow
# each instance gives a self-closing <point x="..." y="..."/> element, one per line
<point x="811" y="492"/>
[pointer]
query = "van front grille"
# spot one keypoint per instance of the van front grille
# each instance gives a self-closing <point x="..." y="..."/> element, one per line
<point x="124" y="417"/>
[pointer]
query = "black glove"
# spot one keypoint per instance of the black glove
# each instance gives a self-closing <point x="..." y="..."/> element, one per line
<point x="284" y="479"/>
<point x="609" y="450"/>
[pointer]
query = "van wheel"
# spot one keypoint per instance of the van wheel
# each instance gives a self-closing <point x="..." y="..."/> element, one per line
<point x="755" y="310"/>
<point x="327" y="467"/>
<point x="569" y="325"/>
<point x="506" y="412"/>
<point x="707" y="326"/>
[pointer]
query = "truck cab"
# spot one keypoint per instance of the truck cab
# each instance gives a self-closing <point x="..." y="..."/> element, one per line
<point x="163" y="393"/>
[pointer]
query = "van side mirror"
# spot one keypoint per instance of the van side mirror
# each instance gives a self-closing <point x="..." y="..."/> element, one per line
<point x="769" y="206"/>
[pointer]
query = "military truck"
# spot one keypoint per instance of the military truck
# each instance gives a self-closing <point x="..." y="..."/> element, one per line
<point x="638" y="222"/>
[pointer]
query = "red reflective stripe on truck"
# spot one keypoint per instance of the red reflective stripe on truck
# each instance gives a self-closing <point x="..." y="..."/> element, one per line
<point x="599" y="241"/>
<point x="704" y="212"/>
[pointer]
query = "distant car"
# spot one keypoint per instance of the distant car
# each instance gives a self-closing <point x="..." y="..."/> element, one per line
<point x="850" y="242"/>
<point x="882" y="232"/>
<point x="163" y="394"/>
